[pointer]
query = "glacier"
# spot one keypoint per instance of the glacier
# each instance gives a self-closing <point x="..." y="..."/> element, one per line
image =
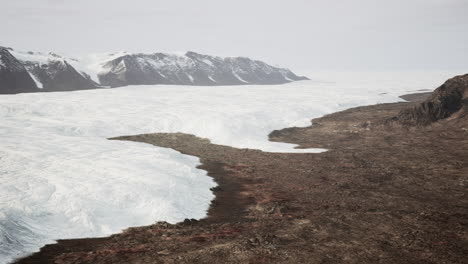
<point x="61" y="178"/>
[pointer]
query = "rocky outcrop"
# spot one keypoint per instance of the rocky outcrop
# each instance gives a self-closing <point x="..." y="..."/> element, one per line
<point x="14" y="78"/>
<point x="449" y="100"/>
<point x="190" y="69"/>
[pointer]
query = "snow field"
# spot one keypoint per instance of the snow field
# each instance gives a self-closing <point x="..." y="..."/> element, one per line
<point x="61" y="178"/>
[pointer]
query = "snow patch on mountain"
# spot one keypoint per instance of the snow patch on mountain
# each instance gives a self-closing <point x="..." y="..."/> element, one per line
<point x="36" y="57"/>
<point x="36" y="80"/>
<point x="93" y="64"/>
<point x="239" y="78"/>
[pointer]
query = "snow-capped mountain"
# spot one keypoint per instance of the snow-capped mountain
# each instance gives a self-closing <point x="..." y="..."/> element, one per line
<point x="14" y="78"/>
<point x="190" y="69"/>
<point x="52" y="72"/>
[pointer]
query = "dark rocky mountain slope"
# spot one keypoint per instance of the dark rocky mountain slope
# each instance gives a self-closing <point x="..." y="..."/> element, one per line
<point x="56" y="73"/>
<point x="14" y="78"/>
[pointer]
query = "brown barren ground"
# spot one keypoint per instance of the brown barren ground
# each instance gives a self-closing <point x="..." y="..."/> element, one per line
<point x="381" y="194"/>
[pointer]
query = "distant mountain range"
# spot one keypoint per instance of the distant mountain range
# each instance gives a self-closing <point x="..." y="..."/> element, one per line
<point x="22" y="72"/>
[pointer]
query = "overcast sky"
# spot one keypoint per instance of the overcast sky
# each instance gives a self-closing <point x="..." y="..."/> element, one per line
<point x="298" y="34"/>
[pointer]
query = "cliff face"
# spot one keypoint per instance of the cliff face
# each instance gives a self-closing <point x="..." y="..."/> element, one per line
<point x="14" y="78"/>
<point x="449" y="100"/>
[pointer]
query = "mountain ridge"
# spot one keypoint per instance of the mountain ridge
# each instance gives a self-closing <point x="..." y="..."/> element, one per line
<point x="53" y="72"/>
<point x="190" y="69"/>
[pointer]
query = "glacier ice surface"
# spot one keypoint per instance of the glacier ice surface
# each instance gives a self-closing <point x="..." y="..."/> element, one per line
<point x="61" y="178"/>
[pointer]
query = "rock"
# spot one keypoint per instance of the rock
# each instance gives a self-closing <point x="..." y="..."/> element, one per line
<point x="164" y="252"/>
<point x="445" y="101"/>
<point x="189" y="221"/>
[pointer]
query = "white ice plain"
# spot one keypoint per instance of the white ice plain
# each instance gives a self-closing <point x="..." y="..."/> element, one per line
<point x="61" y="178"/>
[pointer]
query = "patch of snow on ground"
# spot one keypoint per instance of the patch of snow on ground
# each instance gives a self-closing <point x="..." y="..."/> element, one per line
<point x="61" y="177"/>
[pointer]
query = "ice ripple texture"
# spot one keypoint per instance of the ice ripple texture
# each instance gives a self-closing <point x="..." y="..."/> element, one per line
<point x="61" y="178"/>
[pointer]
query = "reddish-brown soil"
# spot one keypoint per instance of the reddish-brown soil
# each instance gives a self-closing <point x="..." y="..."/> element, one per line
<point x="381" y="194"/>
